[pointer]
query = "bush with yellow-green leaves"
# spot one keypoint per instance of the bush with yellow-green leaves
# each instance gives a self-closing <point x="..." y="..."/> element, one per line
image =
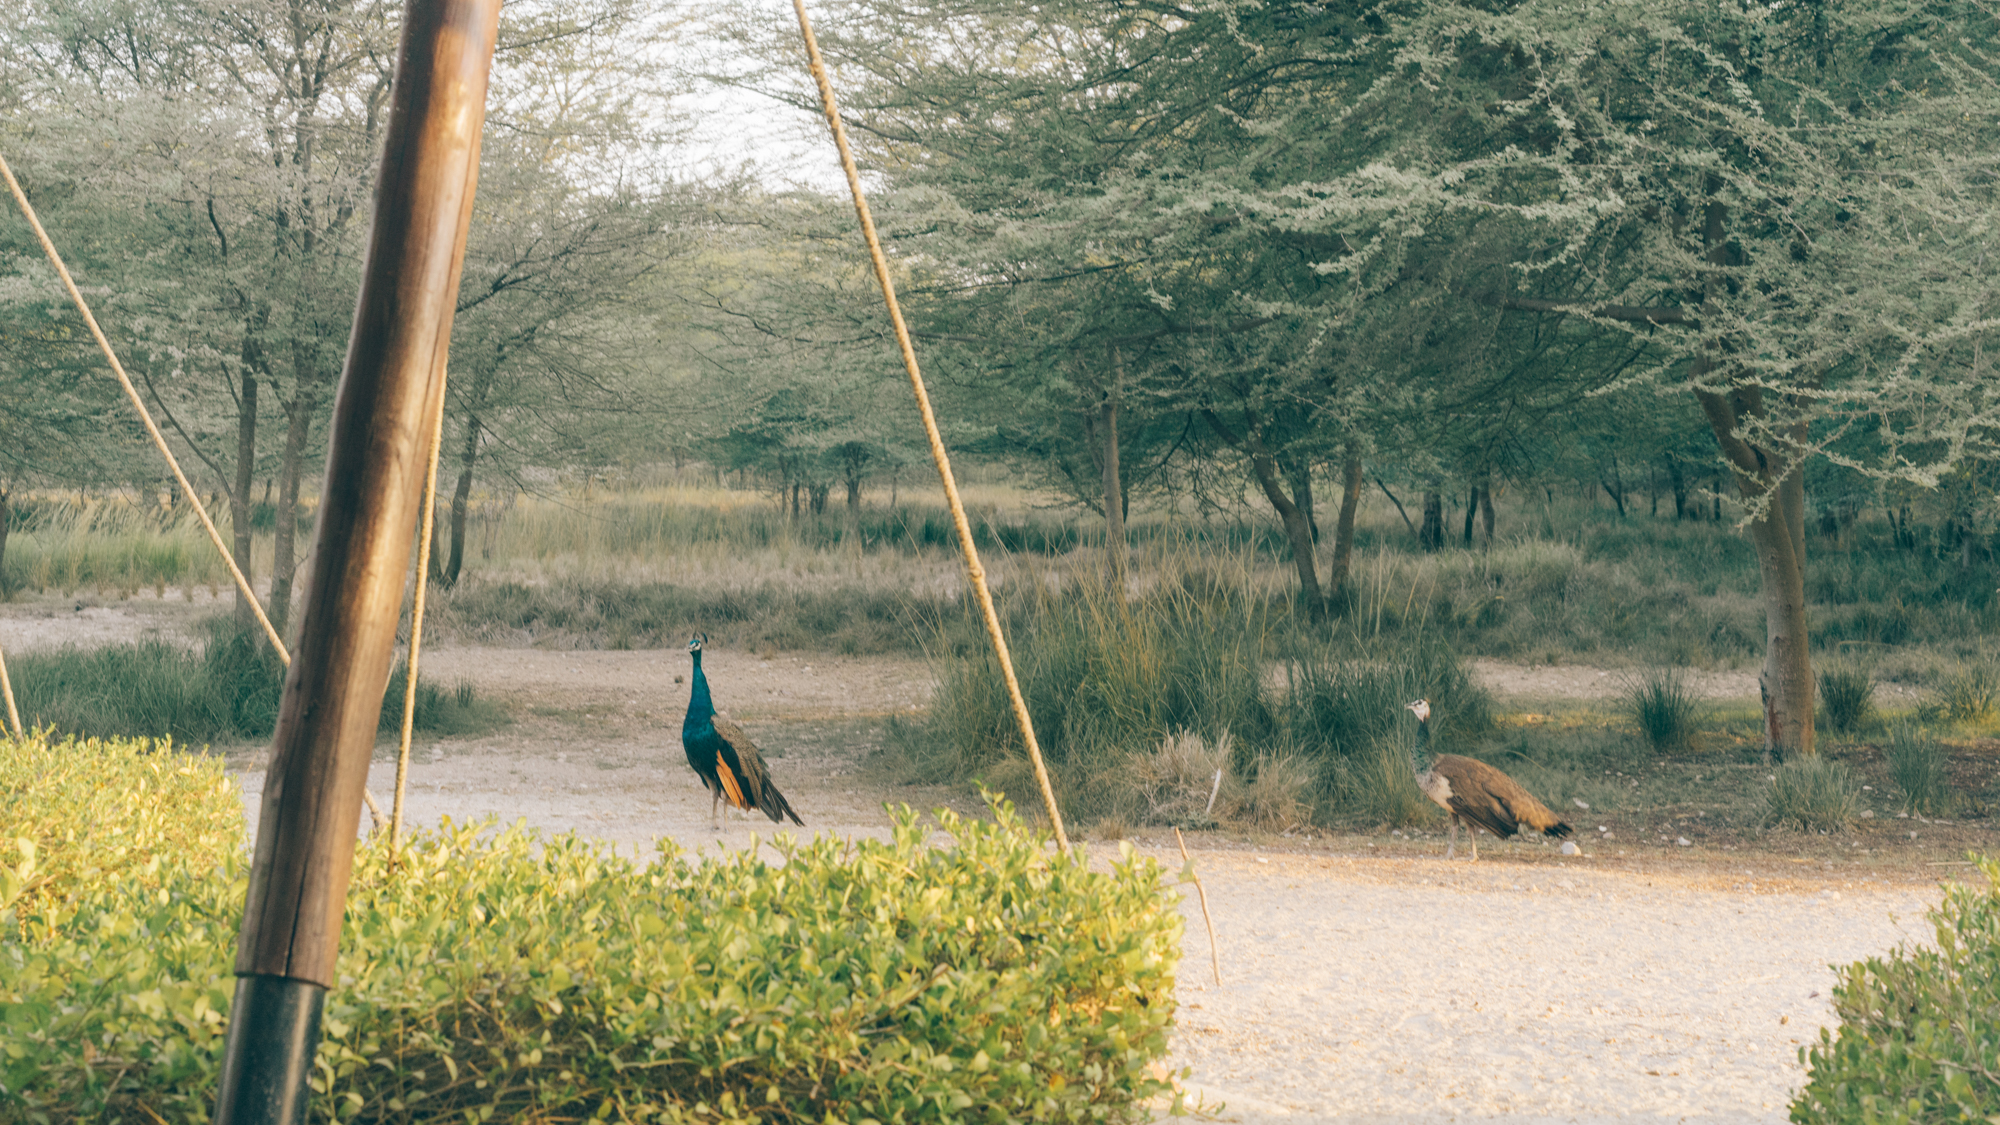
<point x="503" y="976"/>
<point x="1919" y="1036"/>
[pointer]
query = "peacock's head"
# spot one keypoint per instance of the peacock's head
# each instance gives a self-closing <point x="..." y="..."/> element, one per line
<point x="695" y="642"/>
<point x="1422" y="709"/>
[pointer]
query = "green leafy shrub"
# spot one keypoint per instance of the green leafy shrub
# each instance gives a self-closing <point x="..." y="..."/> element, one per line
<point x="1916" y="764"/>
<point x="1663" y="703"/>
<point x="1919" y="1028"/>
<point x="1812" y="795"/>
<point x="1846" y="697"/>
<point x="77" y="815"/>
<point x="512" y="977"/>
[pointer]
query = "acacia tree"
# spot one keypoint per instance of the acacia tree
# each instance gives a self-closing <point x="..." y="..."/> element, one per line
<point x="1783" y="203"/>
<point x="231" y="142"/>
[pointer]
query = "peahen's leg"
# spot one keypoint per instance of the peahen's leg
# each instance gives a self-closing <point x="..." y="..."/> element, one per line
<point x="1472" y="843"/>
<point x="1451" y="842"/>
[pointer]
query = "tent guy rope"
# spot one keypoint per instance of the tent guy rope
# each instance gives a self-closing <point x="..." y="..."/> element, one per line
<point x="974" y="571"/>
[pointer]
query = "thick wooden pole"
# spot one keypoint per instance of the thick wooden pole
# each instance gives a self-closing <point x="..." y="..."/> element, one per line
<point x="382" y="420"/>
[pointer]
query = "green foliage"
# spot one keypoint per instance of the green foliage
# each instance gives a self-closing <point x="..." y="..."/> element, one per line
<point x="1917" y="765"/>
<point x="508" y="976"/>
<point x="1663" y="703"/>
<point x="1919" y="1028"/>
<point x="228" y="690"/>
<point x="1812" y="795"/>
<point x="81" y="814"/>
<point x="1846" y="697"/>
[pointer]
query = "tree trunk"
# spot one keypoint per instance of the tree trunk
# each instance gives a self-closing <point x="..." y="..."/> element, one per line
<point x="461" y="506"/>
<point x="1298" y="472"/>
<point x="1779" y="535"/>
<point x="1399" y="508"/>
<point x="1616" y="493"/>
<point x="1431" y="536"/>
<point x="1679" y="481"/>
<point x="1486" y="508"/>
<point x="1114" y="494"/>
<point x="1343" y="530"/>
<point x="1297" y="532"/>
<point x="1471" y="512"/>
<point x="285" y="549"/>
<point x="853" y="499"/>
<point x="239" y="491"/>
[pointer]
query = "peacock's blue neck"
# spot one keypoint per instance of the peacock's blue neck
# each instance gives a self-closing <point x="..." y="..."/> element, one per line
<point x="700" y="708"/>
<point x="1420" y="753"/>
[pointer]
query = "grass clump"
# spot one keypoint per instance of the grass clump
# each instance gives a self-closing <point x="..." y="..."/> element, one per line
<point x="1105" y="679"/>
<point x="1918" y="1027"/>
<point x="1970" y="694"/>
<point x="1846" y="697"/>
<point x="1185" y="782"/>
<point x="1812" y="795"/>
<point x="510" y="977"/>
<point x="1917" y="765"/>
<point x="228" y="690"/>
<point x="1664" y="705"/>
<point x="1378" y="785"/>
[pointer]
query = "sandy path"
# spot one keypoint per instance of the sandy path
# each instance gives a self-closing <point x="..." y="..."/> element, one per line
<point x="1379" y="991"/>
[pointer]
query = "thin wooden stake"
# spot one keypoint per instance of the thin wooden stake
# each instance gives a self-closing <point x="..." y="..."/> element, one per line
<point x="417" y="622"/>
<point x="7" y="689"/>
<point x="1214" y="958"/>
<point x="975" y="572"/>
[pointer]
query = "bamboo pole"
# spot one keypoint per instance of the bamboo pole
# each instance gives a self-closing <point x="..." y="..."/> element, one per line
<point x="427" y="521"/>
<point x="384" y="414"/>
<point x="7" y="689"/>
<point x="974" y="571"/>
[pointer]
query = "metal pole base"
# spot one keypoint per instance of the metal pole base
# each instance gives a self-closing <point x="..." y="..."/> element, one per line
<point x="273" y="1035"/>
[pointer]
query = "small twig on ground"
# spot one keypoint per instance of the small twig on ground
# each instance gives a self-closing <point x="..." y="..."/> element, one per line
<point x="1214" y="959"/>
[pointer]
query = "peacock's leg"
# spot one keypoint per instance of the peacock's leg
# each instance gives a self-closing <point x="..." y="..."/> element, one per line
<point x="715" y="810"/>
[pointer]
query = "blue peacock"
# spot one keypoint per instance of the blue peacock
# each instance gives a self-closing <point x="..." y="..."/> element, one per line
<point x="724" y="756"/>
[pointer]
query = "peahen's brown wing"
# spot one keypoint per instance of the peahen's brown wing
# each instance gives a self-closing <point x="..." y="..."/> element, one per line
<point x="745" y="781"/>
<point x="1494" y="801"/>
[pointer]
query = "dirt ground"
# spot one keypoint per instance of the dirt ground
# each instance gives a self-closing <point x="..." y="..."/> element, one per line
<point x="1364" y="979"/>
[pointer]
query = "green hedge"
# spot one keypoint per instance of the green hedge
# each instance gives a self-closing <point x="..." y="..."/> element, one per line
<point x="510" y="977"/>
<point x="1919" y="1037"/>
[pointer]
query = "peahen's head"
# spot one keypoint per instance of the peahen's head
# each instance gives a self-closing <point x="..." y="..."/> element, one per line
<point x="1421" y="708"/>
<point x="695" y="642"/>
